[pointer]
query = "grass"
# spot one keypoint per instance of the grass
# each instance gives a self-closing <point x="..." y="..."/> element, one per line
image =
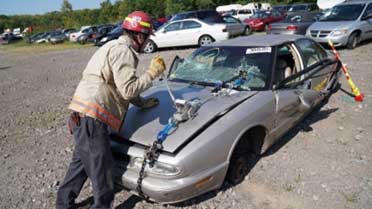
<point x="23" y="47"/>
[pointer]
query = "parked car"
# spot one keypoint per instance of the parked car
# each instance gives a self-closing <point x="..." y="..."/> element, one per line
<point x="303" y="8"/>
<point x="204" y="15"/>
<point x="236" y="10"/>
<point x="282" y="8"/>
<point x="8" y="38"/>
<point x="260" y="20"/>
<point x="56" y="37"/>
<point x="295" y="23"/>
<point x="189" y="32"/>
<point x="246" y="103"/>
<point x="35" y="37"/>
<point x="44" y="38"/>
<point x="68" y="31"/>
<point x="345" y="24"/>
<point x="90" y="36"/>
<point x="114" y="34"/>
<point x="83" y="30"/>
<point x="236" y="27"/>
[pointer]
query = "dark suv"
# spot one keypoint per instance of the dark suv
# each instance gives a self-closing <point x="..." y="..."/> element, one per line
<point x="205" y="15"/>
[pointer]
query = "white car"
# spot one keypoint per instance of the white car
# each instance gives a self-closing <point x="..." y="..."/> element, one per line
<point x="84" y="29"/>
<point x="189" y="32"/>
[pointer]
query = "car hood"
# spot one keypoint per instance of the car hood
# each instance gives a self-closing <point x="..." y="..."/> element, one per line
<point x="330" y="25"/>
<point x="142" y="126"/>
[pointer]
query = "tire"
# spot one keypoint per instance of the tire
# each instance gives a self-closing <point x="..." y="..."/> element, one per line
<point x="245" y="156"/>
<point x="150" y="47"/>
<point x="205" y="40"/>
<point x="352" y="41"/>
<point x="247" y="31"/>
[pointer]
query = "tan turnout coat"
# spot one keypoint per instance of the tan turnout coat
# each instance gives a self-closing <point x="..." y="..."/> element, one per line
<point x="109" y="83"/>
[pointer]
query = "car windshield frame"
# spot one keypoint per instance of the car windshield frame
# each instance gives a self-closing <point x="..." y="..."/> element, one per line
<point x="229" y="64"/>
<point x="328" y="17"/>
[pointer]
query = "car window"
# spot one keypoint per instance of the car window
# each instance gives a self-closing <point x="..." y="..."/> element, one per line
<point x="173" y="27"/>
<point x="229" y="19"/>
<point x="245" y="11"/>
<point x="311" y="52"/>
<point x="190" y="25"/>
<point x="368" y="12"/>
<point x="285" y="64"/>
<point x="296" y="8"/>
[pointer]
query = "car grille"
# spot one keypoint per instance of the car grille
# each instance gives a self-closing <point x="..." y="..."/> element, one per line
<point x="320" y="33"/>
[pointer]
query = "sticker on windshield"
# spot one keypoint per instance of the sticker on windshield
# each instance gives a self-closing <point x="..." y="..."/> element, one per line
<point x="258" y="50"/>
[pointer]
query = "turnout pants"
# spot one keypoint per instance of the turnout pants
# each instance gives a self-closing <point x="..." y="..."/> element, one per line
<point x="92" y="158"/>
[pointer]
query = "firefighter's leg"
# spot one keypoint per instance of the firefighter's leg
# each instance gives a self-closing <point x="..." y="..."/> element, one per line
<point x="99" y="163"/>
<point x="75" y="176"/>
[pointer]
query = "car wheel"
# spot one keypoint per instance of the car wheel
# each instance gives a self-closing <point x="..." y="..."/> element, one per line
<point x="205" y="40"/>
<point x="352" y="41"/>
<point x="245" y="155"/>
<point x="150" y="47"/>
<point x="247" y="31"/>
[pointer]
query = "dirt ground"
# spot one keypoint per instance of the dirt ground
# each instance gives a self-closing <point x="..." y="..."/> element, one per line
<point x="323" y="163"/>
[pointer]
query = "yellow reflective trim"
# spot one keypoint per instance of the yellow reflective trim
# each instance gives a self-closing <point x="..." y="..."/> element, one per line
<point x="144" y="24"/>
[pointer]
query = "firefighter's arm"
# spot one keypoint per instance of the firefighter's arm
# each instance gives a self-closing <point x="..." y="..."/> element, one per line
<point x="122" y="65"/>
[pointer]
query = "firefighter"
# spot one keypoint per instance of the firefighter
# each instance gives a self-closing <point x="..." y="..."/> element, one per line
<point x="109" y="83"/>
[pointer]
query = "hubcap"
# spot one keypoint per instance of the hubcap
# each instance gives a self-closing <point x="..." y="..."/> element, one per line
<point x="149" y="47"/>
<point x="205" y="40"/>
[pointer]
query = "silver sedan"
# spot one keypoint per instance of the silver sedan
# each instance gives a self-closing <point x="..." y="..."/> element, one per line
<point x="249" y="91"/>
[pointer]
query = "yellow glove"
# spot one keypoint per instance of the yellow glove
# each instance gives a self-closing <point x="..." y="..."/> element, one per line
<point x="157" y="67"/>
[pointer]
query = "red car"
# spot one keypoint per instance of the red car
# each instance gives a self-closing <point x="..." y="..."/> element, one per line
<point x="260" y="20"/>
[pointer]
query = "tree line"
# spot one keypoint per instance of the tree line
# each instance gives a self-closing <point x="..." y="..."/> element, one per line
<point x="110" y="12"/>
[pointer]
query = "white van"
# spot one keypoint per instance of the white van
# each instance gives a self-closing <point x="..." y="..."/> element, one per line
<point x="236" y="10"/>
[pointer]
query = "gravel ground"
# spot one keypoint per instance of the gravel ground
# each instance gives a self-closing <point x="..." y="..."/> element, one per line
<point x="324" y="162"/>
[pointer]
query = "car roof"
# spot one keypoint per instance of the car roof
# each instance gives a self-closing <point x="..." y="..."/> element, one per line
<point x="356" y="2"/>
<point x="259" y="40"/>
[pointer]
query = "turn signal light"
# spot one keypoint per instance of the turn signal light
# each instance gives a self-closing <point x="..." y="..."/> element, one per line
<point x="292" y="27"/>
<point x="224" y="30"/>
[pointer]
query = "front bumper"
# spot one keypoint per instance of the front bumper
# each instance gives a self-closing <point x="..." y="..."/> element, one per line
<point x="337" y="40"/>
<point x="168" y="190"/>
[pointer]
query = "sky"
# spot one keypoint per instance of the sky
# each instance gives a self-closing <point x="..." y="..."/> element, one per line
<point x="18" y="7"/>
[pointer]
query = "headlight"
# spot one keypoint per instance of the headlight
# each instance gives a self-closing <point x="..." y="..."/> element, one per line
<point x="339" y="32"/>
<point x="159" y="168"/>
<point x="104" y="39"/>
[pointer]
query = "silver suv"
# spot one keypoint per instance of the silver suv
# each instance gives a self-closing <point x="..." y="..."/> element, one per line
<point x="345" y="24"/>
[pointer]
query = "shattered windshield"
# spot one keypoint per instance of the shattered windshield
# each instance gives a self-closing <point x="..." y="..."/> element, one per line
<point x="228" y="65"/>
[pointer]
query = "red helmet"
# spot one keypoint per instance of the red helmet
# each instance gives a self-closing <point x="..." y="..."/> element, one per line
<point x="138" y="21"/>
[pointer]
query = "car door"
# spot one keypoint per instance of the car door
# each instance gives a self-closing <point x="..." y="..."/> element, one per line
<point x="306" y="85"/>
<point x="288" y="107"/>
<point x="168" y="36"/>
<point x="367" y="22"/>
<point x="190" y="32"/>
